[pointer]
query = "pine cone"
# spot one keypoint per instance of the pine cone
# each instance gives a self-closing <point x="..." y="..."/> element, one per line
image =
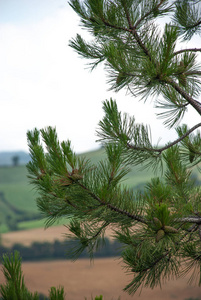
<point x="160" y="234"/>
<point x="170" y="229"/>
<point x="157" y="222"/>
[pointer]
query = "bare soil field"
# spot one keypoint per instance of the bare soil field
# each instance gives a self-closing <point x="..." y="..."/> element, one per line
<point x="83" y="279"/>
<point x="27" y="237"/>
<point x="105" y="276"/>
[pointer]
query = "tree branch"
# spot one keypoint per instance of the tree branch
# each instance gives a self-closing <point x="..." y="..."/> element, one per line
<point x="184" y="94"/>
<point x="140" y="43"/>
<point x="194" y="25"/>
<point x="127" y="16"/>
<point x="187" y="50"/>
<point x="123" y="212"/>
<point x="192" y="73"/>
<point x="100" y="230"/>
<point x="132" y="30"/>
<point x="148" y="13"/>
<point x="165" y="147"/>
<point x="110" y="206"/>
<point x="195" y="220"/>
<point x="114" y="26"/>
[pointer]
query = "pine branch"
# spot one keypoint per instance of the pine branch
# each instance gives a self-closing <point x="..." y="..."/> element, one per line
<point x="184" y="94"/>
<point x="140" y="43"/>
<point x="160" y="150"/>
<point x="167" y="80"/>
<point x="114" y="208"/>
<point x="149" y="13"/>
<point x="100" y="230"/>
<point x="127" y="15"/>
<point x="106" y="23"/>
<point x="133" y="31"/>
<point x="187" y="50"/>
<point x="193" y="73"/>
<point x="187" y="16"/>
<point x="115" y="128"/>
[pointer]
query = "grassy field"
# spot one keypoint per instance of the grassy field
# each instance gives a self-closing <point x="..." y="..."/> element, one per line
<point x="17" y="196"/>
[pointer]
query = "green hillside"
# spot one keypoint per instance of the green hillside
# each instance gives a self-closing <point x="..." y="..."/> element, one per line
<point x="17" y="202"/>
<point x="18" y="208"/>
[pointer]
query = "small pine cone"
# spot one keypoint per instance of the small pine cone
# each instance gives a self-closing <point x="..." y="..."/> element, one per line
<point x="75" y="175"/>
<point x="170" y="229"/>
<point x="157" y="222"/>
<point x="160" y="234"/>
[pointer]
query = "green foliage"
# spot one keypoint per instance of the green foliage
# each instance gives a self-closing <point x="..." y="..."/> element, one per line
<point x="56" y="293"/>
<point x="17" y="202"/>
<point x="96" y="298"/>
<point x="160" y="227"/>
<point x="99" y="298"/>
<point x="187" y="16"/>
<point x="15" y="288"/>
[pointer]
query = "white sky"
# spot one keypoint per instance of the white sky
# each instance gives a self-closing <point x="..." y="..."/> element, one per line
<point x="43" y="82"/>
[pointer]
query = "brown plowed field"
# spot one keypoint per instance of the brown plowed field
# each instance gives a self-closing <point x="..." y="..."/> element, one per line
<point x="82" y="279"/>
<point x="27" y="237"/>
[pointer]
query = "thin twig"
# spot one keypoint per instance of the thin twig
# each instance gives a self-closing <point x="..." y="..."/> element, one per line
<point x="187" y="50"/>
<point x="112" y="207"/>
<point x="148" y="13"/>
<point x="132" y="30"/>
<point x="160" y="150"/>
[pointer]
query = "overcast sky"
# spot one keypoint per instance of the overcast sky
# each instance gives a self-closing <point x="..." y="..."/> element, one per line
<point x="43" y="82"/>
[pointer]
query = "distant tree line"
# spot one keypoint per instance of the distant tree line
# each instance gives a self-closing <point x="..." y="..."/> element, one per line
<point x="59" y="250"/>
